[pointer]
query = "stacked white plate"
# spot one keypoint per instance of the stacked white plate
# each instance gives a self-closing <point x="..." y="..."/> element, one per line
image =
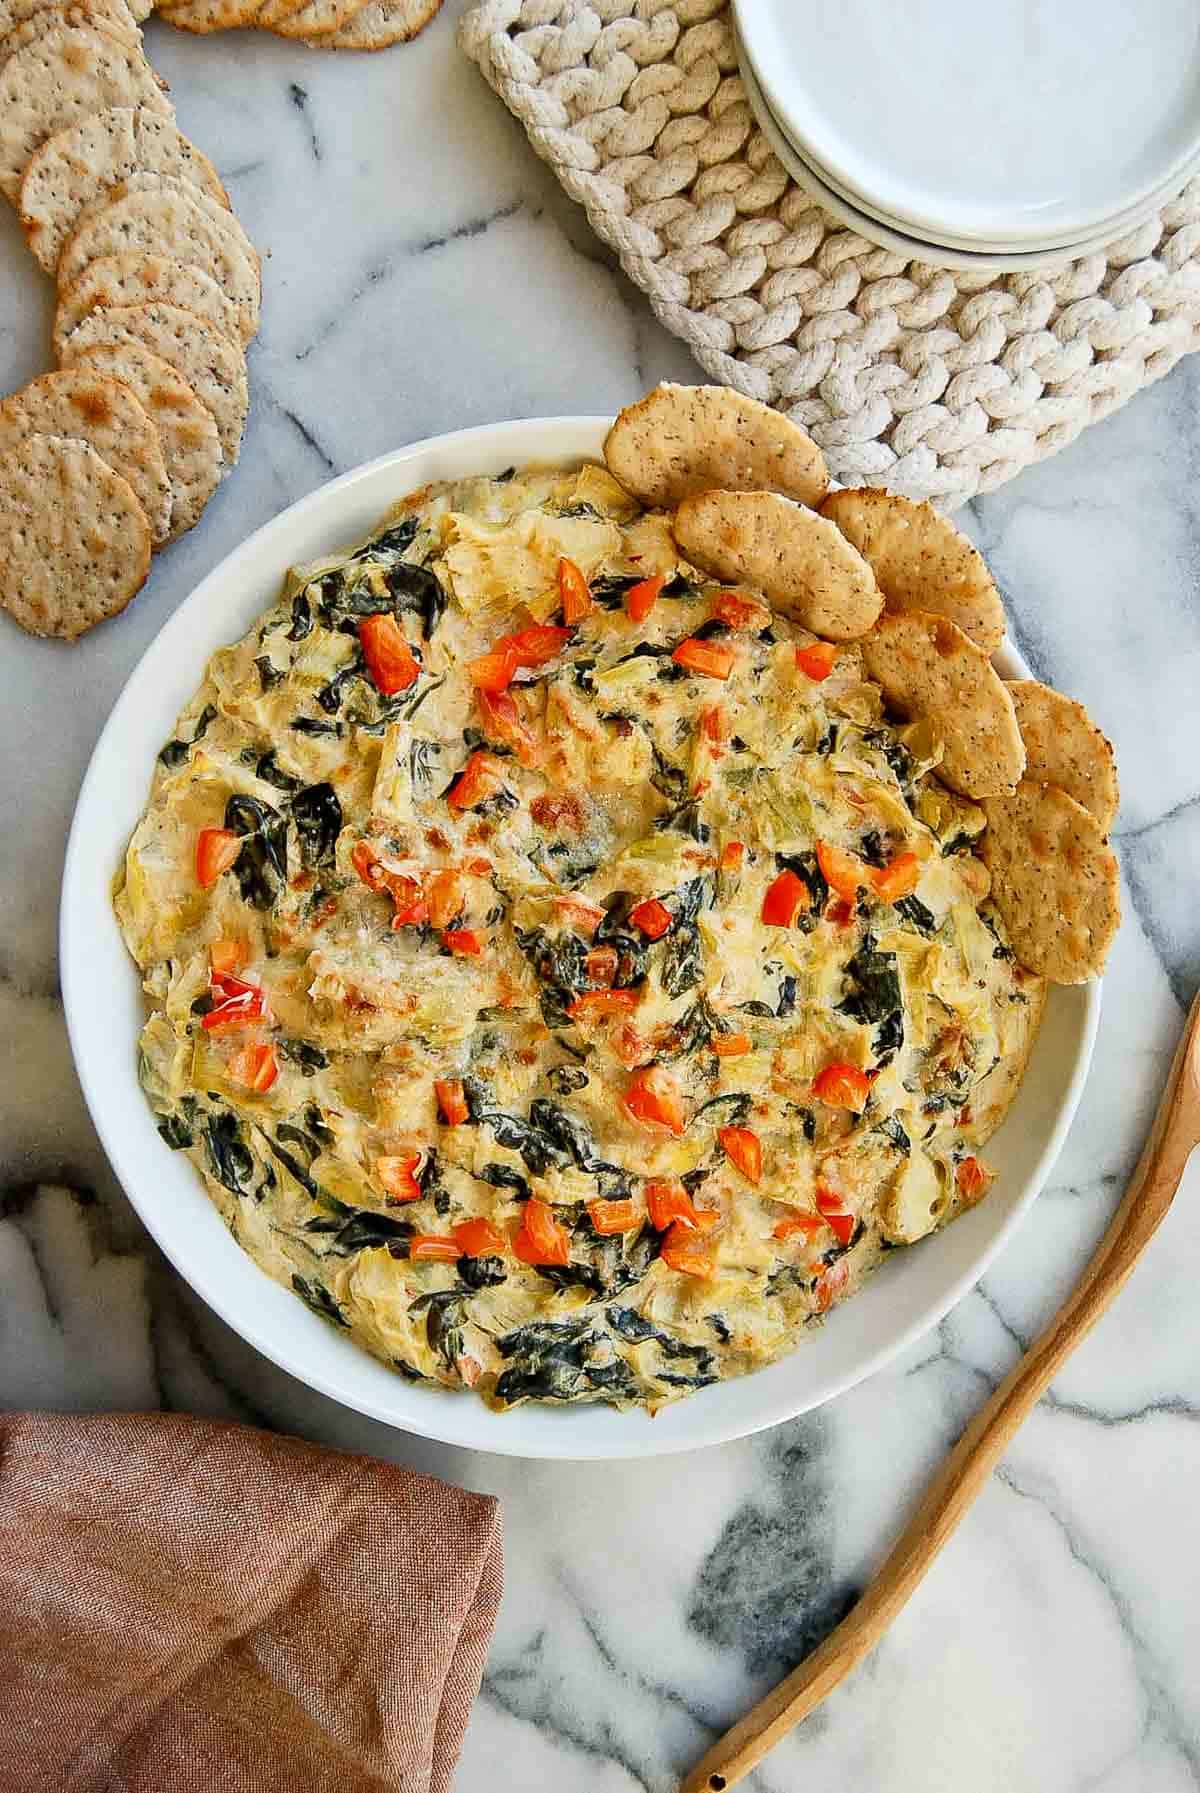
<point x="979" y="134"/>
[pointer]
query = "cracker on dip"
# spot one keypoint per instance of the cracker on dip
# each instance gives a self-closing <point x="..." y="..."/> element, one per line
<point x="84" y="405"/>
<point x="680" y="440"/>
<point x="1063" y="746"/>
<point x="161" y="215"/>
<point x="927" y="667"/>
<point x="186" y="430"/>
<point x="920" y="560"/>
<point x="213" y="367"/>
<point x="61" y="77"/>
<point x="801" y="561"/>
<point x="74" y="541"/>
<point x="135" y="278"/>
<point x="1054" y="880"/>
<point x="76" y="166"/>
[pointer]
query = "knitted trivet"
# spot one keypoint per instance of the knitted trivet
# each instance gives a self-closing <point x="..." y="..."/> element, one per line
<point x="934" y="383"/>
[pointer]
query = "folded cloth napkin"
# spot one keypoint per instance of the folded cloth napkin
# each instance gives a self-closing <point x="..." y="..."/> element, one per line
<point x="187" y="1607"/>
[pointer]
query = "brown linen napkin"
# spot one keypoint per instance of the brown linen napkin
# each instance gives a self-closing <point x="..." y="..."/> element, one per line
<point x="194" y="1607"/>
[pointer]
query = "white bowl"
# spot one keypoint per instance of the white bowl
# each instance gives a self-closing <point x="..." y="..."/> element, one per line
<point x="102" y="995"/>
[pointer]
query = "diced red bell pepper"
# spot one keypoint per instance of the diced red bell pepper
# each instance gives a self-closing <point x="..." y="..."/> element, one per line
<point x="580" y="913"/>
<point x="842" y="1085"/>
<point x="574" y="593"/>
<point x="796" y="1222"/>
<point x="730" y="1045"/>
<point x="536" y="644"/>
<point x="493" y="671"/>
<point x="435" y="1248"/>
<point x="365" y="861"/>
<point x="254" y="1067"/>
<point x="840" y="913"/>
<point x="443" y="893"/>
<point x="712" y="658"/>
<point x="598" y="1005"/>
<point x="668" y="1201"/>
<point x="641" y="598"/>
<point x="684" y="1250"/>
<point x="740" y="613"/>
<point x="216" y="850"/>
<point x="479" y="779"/>
<point x="600" y="963"/>
<point x="844" y="872"/>
<point x="651" y="918"/>
<point x="390" y="660"/>
<point x="451" y="1101"/>
<point x="816" y="661"/>
<point x="831" y="1284"/>
<point x="479" y="1238"/>
<point x="614" y="1216"/>
<point x="464" y="943"/>
<point x="974" y="1180"/>
<point x="396" y="1175"/>
<point x="653" y="1097"/>
<point x="833" y="1212"/>
<point x="541" y="1240"/>
<point x="237" y="1003"/>
<point x="785" y="898"/>
<point x="743" y="1148"/>
<point x="503" y="723"/>
<point x="898" y="879"/>
<point x="713" y="726"/>
<point x="227" y="956"/>
<point x="732" y="855"/>
<point x="411" y="910"/>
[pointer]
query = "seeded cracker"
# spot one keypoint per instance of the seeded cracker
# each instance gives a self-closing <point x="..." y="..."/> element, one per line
<point x="190" y="444"/>
<point x="927" y="667"/>
<point x="681" y="440"/>
<point x="921" y="561"/>
<point x="66" y="74"/>
<point x="74" y="541"/>
<point x="156" y="214"/>
<point x="1054" y="880"/>
<point x="800" y="560"/>
<point x="83" y="405"/>
<point x="213" y="367"/>
<point x="381" y="24"/>
<point x="112" y="17"/>
<point x="136" y="279"/>
<point x="77" y="166"/>
<point x="1063" y="746"/>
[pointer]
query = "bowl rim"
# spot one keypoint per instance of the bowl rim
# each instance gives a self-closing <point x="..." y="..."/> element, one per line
<point x="281" y="1334"/>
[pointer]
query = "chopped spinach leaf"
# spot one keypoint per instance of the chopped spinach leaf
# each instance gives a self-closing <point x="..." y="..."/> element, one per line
<point x="309" y="1058"/>
<point x="316" y="1296"/>
<point x="230" y="1159"/>
<point x="269" y="675"/>
<point x="916" y="914"/>
<point x="302" y="621"/>
<point x="317" y="814"/>
<point x="267" y="768"/>
<point x="261" y="866"/>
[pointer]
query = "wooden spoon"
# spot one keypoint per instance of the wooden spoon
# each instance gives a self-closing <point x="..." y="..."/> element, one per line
<point x="1175" y="1131"/>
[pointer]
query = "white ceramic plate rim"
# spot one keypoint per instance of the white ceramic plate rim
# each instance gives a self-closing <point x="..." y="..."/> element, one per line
<point x="914" y="207"/>
<point x="103" y="1009"/>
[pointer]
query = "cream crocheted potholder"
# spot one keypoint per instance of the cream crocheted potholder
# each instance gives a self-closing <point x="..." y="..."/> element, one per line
<point x="935" y="383"/>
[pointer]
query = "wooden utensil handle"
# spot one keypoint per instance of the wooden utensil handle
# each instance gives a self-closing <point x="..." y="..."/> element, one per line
<point x="1176" y="1130"/>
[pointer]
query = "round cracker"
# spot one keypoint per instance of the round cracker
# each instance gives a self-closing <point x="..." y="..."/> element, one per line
<point x="213" y="367"/>
<point x="74" y="541"/>
<point x="680" y="440"/>
<point x="381" y="24"/>
<point x="1063" y="746"/>
<point x="203" y="16"/>
<point x="1055" y="881"/>
<point x="801" y="561"/>
<point x="920" y="560"/>
<point x="316" y="19"/>
<point x="158" y="214"/>
<point x="87" y="406"/>
<point x="927" y="667"/>
<point x="15" y="12"/>
<point x="77" y="166"/>
<point x="190" y="444"/>
<point x="57" y="80"/>
<point x="112" y="17"/>
<point x="135" y="279"/>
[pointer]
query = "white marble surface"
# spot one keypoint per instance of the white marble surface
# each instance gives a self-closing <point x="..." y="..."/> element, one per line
<point x="423" y="273"/>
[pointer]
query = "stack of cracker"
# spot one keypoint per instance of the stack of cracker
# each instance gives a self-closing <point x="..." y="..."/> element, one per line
<point x="159" y="289"/>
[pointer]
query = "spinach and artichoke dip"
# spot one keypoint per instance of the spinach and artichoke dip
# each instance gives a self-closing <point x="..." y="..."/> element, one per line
<point x="561" y="972"/>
